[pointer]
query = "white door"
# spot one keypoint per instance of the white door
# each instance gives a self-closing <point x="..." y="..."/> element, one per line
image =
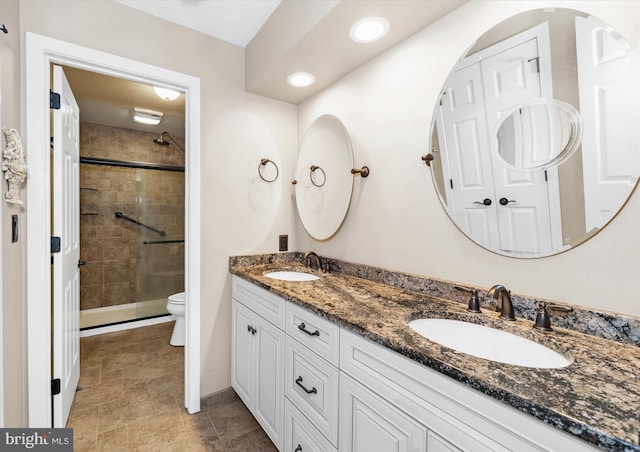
<point x="610" y="157"/>
<point x="66" y="222"/>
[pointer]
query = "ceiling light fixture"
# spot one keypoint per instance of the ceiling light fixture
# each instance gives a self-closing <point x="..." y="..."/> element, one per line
<point x="301" y="79"/>
<point x="149" y="117"/>
<point x="369" y="29"/>
<point x="166" y="93"/>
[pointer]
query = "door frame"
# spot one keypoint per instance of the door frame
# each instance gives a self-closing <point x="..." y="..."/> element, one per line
<point x="41" y="53"/>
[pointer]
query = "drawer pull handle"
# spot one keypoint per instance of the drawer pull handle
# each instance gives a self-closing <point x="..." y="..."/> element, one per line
<point x="298" y="449"/>
<point x="308" y="391"/>
<point x="303" y="327"/>
<point x="251" y="329"/>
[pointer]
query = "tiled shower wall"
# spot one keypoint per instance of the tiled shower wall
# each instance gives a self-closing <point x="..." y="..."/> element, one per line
<point x="120" y="268"/>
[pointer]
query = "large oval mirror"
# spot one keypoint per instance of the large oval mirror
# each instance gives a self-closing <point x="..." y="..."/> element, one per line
<point x="324" y="182"/>
<point x="508" y="162"/>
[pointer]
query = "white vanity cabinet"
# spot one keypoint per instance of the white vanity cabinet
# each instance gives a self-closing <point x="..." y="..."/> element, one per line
<point x="257" y="362"/>
<point x="396" y="402"/>
<point x="316" y="387"/>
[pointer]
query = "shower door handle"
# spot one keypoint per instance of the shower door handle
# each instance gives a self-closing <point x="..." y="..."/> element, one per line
<point x="81" y="263"/>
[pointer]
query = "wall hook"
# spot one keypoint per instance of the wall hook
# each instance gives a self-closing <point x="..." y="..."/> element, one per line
<point x="263" y="163"/>
<point x="363" y="172"/>
<point x="4" y="29"/>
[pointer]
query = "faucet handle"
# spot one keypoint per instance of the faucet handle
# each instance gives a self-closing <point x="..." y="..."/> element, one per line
<point x="543" y="321"/>
<point x="474" y="303"/>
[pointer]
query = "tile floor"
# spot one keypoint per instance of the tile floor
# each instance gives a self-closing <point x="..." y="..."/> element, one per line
<point x="131" y="399"/>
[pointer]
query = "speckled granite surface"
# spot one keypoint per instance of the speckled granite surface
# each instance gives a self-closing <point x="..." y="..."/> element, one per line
<point x="596" y="398"/>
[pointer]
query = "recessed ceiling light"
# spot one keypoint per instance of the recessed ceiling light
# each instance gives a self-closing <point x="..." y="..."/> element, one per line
<point x="301" y="79"/>
<point x="166" y="93"/>
<point x="149" y="117"/>
<point x="369" y="29"/>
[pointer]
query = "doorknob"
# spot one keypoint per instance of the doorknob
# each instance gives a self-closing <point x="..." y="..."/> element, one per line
<point x="505" y="201"/>
<point x="486" y="202"/>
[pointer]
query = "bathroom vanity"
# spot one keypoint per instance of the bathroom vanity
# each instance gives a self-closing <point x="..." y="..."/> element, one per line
<point x="331" y="364"/>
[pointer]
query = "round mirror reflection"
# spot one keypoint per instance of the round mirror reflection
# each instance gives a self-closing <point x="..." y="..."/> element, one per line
<point x="323" y="179"/>
<point x="508" y="162"/>
<point x="537" y="134"/>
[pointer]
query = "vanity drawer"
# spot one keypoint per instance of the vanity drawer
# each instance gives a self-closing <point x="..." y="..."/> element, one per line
<point x="311" y="384"/>
<point x="320" y="335"/>
<point x="269" y="306"/>
<point x="300" y="434"/>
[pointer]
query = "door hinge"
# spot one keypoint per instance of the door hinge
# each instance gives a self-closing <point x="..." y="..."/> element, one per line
<point x="54" y="100"/>
<point x="55" y="386"/>
<point x="55" y="245"/>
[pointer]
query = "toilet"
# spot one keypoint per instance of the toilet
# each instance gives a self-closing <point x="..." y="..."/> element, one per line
<point x="176" y="306"/>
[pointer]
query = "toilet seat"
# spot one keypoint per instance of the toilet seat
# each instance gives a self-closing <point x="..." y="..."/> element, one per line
<point x="177" y="298"/>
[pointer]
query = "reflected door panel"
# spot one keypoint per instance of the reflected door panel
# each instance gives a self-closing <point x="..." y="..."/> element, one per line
<point x="467" y="170"/>
<point x="610" y="146"/>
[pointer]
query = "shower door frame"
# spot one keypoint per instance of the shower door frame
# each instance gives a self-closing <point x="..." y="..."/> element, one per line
<point x="41" y="53"/>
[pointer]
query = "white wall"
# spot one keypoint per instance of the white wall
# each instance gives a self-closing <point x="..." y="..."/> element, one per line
<point x="237" y="130"/>
<point x="396" y="220"/>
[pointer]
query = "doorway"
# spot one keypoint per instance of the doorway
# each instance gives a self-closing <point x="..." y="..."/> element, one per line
<point x="42" y="52"/>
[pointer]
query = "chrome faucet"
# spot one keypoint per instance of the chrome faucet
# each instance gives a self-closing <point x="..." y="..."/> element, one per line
<point x="309" y="256"/>
<point x="506" y="306"/>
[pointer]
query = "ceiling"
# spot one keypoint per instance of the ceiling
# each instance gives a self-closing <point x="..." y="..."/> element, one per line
<point x="234" y="21"/>
<point x="279" y="37"/>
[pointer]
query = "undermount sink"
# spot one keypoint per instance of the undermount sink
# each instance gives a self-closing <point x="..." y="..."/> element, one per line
<point x="291" y="276"/>
<point x="488" y="343"/>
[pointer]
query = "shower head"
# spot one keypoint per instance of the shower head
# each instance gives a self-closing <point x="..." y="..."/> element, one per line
<point x="164" y="142"/>
<point x="161" y="140"/>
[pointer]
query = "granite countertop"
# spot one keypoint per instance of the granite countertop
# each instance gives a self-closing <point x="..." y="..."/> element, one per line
<point x="596" y="398"/>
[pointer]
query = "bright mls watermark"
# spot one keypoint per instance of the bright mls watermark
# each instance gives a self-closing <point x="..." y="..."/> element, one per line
<point x="36" y="439"/>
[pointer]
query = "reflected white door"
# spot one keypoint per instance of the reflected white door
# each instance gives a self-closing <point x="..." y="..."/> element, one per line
<point x="510" y="78"/>
<point x="66" y="225"/>
<point x="524" y="215"/>
<point x="467" y="171"/>
<point x="610" y="157"/>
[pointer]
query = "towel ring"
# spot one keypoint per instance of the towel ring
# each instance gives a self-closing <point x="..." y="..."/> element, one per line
<point x="324" y="176"/>
<point x="264" y="162"/>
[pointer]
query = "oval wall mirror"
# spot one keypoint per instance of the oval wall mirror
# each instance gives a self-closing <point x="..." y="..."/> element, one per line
<point x="508" y="162"/>
<point x="324" y="182"/>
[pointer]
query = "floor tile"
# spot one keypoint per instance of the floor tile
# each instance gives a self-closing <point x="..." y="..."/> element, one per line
<point x="232" y="421"/>
<point x="132" y="399"/>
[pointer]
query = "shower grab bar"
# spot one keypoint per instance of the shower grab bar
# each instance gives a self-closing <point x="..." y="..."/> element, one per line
<point x="124" y="217"/>
<point x="156" y="242"/>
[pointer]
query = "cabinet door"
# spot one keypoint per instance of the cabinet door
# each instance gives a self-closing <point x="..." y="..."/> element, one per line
<point x="268" y="405"/>
<point x="242" y="352"/>
<point x="370" y="423"/>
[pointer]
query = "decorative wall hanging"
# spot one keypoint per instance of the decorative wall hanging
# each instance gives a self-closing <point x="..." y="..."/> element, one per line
<point x="13" y="165"/>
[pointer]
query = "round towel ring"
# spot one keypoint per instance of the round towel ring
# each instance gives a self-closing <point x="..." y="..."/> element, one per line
<point x="264" y="162"/>
<point x="312" y="171"/>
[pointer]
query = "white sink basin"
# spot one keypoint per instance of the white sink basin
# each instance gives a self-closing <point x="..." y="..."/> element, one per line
<point x="292" y="276"/>
<point x="488" y="343"/>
